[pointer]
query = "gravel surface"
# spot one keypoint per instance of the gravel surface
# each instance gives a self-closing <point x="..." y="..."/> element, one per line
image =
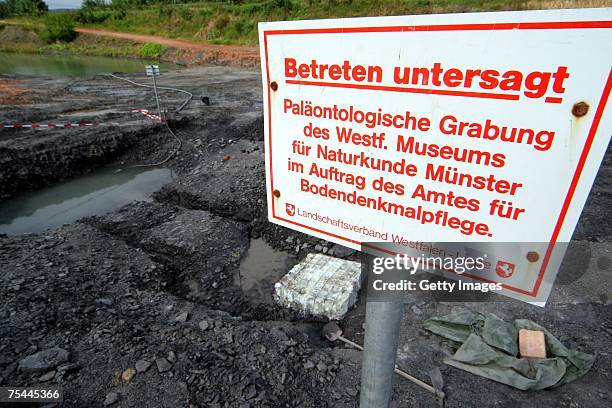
<point x="141" y="307"/>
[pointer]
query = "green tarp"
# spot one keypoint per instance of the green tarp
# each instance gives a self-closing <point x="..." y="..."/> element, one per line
<point x="488" y="346"/>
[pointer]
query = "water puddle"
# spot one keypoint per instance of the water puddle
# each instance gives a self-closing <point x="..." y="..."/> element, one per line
<point x="94" y="194"/>
<point x="260" y="269"/>
<point x="71" y="65"/>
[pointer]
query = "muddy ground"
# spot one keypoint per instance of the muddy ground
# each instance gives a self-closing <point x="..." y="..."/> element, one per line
<point x="141" y="307"/>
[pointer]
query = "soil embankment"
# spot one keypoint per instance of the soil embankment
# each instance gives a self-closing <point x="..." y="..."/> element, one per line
<point x="16" y="38"/>
<point x="191" y="52"/>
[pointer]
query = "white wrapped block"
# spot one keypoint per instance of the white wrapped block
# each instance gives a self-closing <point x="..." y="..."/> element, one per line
<point x="320" y="285"/>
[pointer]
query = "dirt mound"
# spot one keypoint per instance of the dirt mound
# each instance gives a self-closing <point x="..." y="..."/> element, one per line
<point x="11" y="93"/>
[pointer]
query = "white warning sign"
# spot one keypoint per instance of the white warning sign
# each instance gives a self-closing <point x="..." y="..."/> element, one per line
<point x="485" y="127"/>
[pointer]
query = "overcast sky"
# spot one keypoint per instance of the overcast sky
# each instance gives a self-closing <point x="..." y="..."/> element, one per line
<point x="55" y="4"/>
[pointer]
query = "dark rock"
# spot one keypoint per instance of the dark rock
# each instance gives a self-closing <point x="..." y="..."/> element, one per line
<point x="44" y="360"/>
<point x="111" y="398"/>
<point x="104" y="301"/>
<point x="172" y="357"/>
<point x="181" y="317"/>
<point x="142" y="365"/>
<point x="342" y="251"/>
<point x="163" y="365"/>
<point x="69" y="367"/>
<point x="250" y="392"/>
<point x="204" y="325"/>
<point x="46" y="377"/>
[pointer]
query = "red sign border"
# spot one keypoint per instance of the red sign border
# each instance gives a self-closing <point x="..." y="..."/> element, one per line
<point x="458" y="27"/>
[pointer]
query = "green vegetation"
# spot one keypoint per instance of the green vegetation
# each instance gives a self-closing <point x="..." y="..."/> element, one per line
<point x="126" y="49"/>
<point x="19" y="39"/>
<point x="22" y="8"/>
<point x="151" y="50"/>
<point x="58" y="27"/>
<point x="235" y="21"/>
<point x="97" y="11"/>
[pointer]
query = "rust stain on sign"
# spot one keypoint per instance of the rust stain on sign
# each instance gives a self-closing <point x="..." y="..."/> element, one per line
<point x="580" y="109"/>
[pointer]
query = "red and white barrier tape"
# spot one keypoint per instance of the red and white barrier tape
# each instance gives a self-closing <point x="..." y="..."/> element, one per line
<point x="52" y="125"/>
<point x="69" y="125"/>
<point x="147" y="114"/>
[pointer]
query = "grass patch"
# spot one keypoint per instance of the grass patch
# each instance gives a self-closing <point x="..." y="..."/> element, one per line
<point x="151" y="50"/>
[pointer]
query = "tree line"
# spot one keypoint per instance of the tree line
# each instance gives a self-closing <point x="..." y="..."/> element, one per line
<point x="10" y="8"/>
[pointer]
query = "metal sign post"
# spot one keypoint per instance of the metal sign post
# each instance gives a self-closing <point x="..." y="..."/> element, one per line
<point x="383" y="322"/>
<point x="153" y="71"/>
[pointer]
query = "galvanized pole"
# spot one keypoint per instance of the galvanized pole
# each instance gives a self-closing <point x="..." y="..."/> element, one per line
<point x="383" y="320"/>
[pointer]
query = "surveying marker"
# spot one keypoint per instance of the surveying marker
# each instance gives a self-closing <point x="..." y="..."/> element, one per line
<point x="153" y="71"/>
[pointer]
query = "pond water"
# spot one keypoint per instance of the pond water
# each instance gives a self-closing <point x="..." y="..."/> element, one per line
<point x="262" y="267"/>
<point x="71" y="65"/>
<point x="93" y="194"/>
